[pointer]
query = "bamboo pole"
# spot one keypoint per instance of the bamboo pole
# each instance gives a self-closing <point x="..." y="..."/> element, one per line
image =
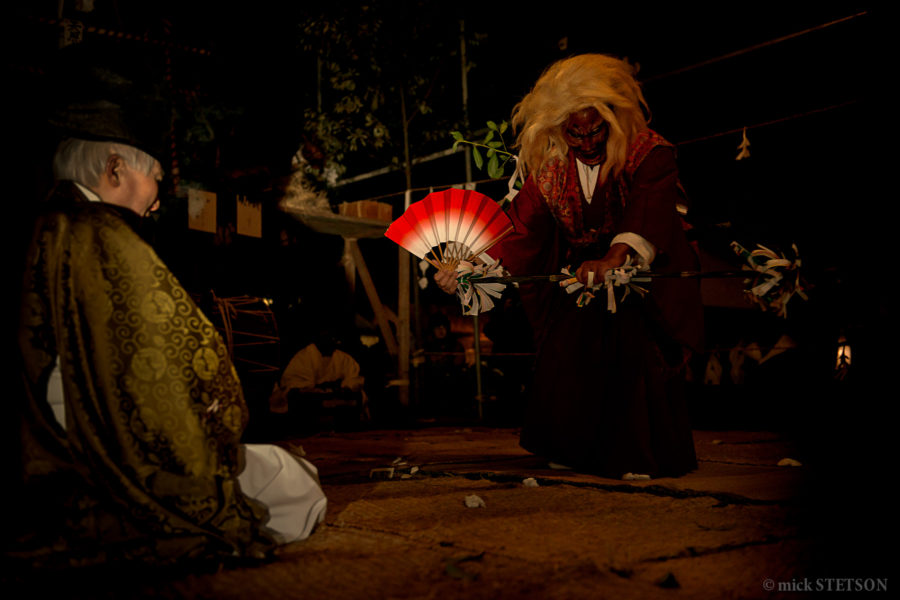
<point x="404" y="258"/>
<point x="476" y="325"/>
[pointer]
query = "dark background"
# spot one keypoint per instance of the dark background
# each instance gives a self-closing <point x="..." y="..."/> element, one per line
<point x="809" y="81"/>
<point x="806" y="79"/>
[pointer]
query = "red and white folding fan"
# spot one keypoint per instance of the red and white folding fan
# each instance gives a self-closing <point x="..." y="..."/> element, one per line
<point x="452" y="225"/>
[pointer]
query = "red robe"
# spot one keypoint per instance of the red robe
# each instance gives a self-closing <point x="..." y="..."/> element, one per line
<point x="607" y="396"/>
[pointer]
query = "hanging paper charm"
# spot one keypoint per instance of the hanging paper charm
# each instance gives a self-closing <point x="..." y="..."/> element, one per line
<point x="744" y="147"/>
<point x="511" y="184"/>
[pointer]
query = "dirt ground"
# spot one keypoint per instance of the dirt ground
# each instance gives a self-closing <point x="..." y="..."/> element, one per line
<point x="739" y="527"/>
<point x="398" y="526"/>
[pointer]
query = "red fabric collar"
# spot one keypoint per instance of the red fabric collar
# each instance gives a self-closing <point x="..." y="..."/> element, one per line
<point x="557" y="183"/>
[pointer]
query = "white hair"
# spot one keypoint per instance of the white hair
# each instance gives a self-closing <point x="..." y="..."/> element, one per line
<point x="84" y="160"/>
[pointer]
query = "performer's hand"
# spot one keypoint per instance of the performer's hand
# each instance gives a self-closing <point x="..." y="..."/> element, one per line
<point x="446" y="280"/>
<point x="613" y="259"/>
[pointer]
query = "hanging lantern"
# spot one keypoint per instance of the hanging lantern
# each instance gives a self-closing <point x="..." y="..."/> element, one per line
<point x="842" y="364"/>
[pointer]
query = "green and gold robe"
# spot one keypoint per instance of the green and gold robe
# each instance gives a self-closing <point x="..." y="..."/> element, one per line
<point x="146" y="468"/>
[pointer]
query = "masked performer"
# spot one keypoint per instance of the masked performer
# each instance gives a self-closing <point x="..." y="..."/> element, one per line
<point x="130" y="426"/>
<point x="607" y="396"/>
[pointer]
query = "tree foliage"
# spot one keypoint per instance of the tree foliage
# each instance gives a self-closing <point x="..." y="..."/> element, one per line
<point x="369" y="59"/>
<point x="493" y="146"/>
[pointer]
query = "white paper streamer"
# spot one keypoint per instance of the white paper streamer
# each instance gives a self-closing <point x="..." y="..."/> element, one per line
<point x="476" y="297"/>
<point x="623" y="276"/>
<point x="511" y="185"/>
<point x="778" y="280"/>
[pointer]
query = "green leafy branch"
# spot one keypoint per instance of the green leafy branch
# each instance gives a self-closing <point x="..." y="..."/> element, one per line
<point x="495" y="150"/>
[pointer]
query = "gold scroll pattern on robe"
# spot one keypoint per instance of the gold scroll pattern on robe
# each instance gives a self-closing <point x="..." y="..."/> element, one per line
<point x="154" y="407"/>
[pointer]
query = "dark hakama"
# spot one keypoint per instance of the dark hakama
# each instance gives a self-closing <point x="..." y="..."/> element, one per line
<point x="608" y="393"/>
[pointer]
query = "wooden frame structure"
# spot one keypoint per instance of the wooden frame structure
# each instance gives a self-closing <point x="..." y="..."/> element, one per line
<point x="352" y="229"/>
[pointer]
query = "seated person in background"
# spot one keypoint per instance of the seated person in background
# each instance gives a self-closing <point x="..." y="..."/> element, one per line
<point x="139" y="457"/>
<point x="441" y="340"/>
<point x="320" y="378"/>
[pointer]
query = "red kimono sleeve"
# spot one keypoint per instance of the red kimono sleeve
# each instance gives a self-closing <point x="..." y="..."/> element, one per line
<point x="532" y="249"/>
<point x="650" y="207"/>
<point x="651" y="213"/>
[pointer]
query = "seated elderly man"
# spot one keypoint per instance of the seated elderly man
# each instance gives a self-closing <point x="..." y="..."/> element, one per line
<point x="130" y="430"/>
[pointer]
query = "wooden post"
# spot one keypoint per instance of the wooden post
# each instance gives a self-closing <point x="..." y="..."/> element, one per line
<point x="350" y="264"/>
<point x="403" y="330"/>
<point x="464" y="72"/>
<point x="369" y="285"/>
<point x="403" y="327"/>
<point x="479" y="396"/>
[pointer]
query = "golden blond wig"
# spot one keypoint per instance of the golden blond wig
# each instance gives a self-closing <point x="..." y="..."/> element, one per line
<point x="571" y="85"/>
